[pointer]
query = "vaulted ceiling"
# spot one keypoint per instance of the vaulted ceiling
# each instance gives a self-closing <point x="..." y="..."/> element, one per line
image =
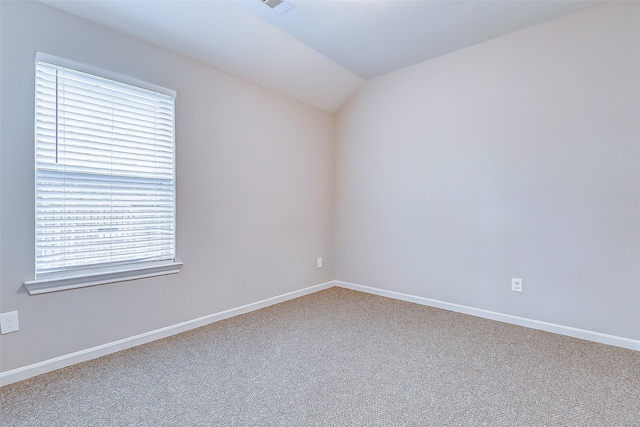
<point x="321" y="51"/>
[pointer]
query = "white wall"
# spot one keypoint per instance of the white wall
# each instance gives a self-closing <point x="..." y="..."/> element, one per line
<point x="254" y="192"/>
<point x="517" y="157"/>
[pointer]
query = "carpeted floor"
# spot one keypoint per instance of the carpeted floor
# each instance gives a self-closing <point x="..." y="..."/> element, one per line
<point x="341" y="358"/>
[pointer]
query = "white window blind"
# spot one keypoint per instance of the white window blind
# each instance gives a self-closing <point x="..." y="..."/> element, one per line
<point x="105" y="173"/>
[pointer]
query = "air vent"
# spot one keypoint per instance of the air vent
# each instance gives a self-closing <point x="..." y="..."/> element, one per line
<point x="279" y="6"/>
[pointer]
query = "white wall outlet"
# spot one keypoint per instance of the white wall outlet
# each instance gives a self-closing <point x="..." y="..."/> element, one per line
<point x="9" y="322"/>
<point x="319" y="262"/>
<point x="516" y="284"/>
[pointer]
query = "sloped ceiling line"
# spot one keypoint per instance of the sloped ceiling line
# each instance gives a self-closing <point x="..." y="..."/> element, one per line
<point x="322" y="51"/>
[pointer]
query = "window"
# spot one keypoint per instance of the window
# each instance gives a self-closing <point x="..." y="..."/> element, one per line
<point x="105" y="178"/>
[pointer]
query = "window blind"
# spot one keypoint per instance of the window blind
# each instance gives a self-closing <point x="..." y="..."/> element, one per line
<point x="105" y="172"/>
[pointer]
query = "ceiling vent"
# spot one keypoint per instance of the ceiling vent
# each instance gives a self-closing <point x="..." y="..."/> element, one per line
<point x="279" y="6"/>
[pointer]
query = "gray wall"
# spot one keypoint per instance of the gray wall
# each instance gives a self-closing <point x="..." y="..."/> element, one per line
<point x="518" y="157"/>
<point x="254" y="192"/>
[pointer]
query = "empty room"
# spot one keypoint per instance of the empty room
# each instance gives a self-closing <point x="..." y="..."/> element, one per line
<point x="319" y="212"/>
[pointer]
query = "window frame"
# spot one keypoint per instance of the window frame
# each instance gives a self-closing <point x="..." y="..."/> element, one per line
<point x="71" y="279"/>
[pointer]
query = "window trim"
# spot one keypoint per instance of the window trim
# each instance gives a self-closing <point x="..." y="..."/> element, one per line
<point x="66" y="281"/>
<point x="85" y="278"/>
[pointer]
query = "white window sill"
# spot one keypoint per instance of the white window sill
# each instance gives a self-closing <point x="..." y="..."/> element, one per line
<point x="62" y="283"/>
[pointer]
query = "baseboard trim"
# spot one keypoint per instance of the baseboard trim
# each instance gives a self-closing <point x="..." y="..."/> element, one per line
<point x="29" y="371"/>
<point x="35" y="369"/>
<point x="501" y="317"/>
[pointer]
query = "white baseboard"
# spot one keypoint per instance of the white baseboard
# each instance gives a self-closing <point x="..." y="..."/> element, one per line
<point x="501" y="317"/>
<point x="29" y="371"/>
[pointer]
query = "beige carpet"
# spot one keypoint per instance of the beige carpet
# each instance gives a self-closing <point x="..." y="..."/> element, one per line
<point x="341" y="358"/>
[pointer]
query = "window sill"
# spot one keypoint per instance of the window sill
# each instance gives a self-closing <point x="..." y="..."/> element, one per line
<point x="63" y="283"/>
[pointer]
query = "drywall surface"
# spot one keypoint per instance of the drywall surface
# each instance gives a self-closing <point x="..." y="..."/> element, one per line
<point x="517" y="157"/>
<point x="254" y="192"/>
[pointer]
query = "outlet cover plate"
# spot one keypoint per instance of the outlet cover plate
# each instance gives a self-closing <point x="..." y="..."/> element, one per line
<point x="516" y="284"/>
<point x="9" y="322"/>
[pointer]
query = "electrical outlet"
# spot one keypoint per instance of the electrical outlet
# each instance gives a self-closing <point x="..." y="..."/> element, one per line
<point x="516" y="284"/>
<point x="9" y="322"/>
<point x="319" y="262"/>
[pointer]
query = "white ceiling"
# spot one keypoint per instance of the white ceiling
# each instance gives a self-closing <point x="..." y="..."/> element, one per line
<point x="323" y="50"/>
